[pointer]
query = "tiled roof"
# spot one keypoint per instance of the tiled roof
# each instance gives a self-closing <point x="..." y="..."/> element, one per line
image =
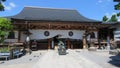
<point x="51" y="14"/>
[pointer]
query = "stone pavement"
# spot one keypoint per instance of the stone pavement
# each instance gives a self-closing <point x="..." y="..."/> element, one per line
<point x="74" y="59"/>
<point x="26" y="61"/>
<point x="71" y="60"/>
<point x="101" y="58"/>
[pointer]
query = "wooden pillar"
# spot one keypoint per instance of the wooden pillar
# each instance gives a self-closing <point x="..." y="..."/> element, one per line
<point x="28" y="43"/>
<point x="48" y="43"/>
<point x="98" y="39"/>
<point x="84" y="43"/>
<point x="68" y="43"/>
<point x="19" y="36"/>
<point x="108" y="38"/>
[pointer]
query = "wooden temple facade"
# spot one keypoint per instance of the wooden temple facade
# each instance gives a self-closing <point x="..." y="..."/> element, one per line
<point x="43" y="24"/>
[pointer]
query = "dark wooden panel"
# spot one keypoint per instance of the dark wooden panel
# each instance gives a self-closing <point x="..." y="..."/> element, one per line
<point x="76" y="44"/>
<point x="42" y="46"/>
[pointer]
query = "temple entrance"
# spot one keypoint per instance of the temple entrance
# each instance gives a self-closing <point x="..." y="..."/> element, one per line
<point x="55" y="41"/>
<point x="72" y="43"/>
<point x="76" y="44"/>
<point x="43" y="44"/>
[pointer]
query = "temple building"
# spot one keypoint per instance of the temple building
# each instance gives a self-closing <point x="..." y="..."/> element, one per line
<point x="44" y="24"/>
<point x="116" y="32"/>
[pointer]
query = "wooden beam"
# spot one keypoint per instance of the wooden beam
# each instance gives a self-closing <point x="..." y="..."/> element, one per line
<point x="57" y="25"/>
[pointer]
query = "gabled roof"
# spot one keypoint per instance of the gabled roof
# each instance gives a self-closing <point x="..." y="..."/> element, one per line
<point x="51" y="14"/>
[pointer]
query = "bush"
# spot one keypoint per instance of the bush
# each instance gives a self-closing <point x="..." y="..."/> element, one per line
<point x="4" y="49"/>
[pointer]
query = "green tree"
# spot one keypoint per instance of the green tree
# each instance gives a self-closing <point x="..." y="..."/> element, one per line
<point x="5" y="27"/>
<point x="1" y="5"/>
<point x="105" y="18"/>
<point x="117" y="6"/>
<point x="113" y="18"/>
<point x="118" y="14"/>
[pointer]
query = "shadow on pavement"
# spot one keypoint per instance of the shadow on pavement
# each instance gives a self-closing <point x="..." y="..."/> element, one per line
<point x="115" y="60"/>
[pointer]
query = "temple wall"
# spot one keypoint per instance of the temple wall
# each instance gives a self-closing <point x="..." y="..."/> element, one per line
<point x="39" y="34"/>
<point x="23" y="37"/>
<point x="117" y="33"/>
<point x="118" y="27"/>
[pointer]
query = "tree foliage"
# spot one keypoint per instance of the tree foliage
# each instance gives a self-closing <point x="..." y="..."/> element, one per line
<point x="117" y="6"/>
<point x="118" y="14"/>
<point x="5" y="26"/>
<point x="114" y="17"/>
<point x="105" y="18"/>
<point x="1" y="5"/>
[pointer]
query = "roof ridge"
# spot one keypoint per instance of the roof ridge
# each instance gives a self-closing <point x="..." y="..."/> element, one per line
<point x="50" y="8"/>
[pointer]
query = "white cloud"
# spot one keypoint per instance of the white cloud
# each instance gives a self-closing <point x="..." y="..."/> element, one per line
<point x="100" y="1"/>
<point x="108" y="15"/>
<point x="10" y="6"/>
<point x="114" y="13"/>
<point x="103" y="1"/>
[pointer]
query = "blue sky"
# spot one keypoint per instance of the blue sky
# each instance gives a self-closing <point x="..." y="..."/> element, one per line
<point x="93" y="9"/>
